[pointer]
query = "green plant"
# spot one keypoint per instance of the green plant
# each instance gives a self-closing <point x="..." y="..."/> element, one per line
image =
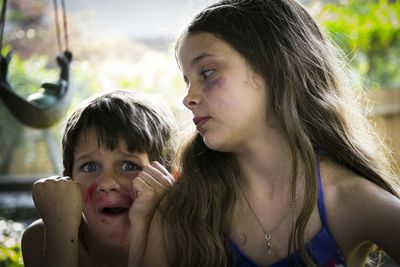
<point x="369" y="33"/>
<point x="10" y="239"/>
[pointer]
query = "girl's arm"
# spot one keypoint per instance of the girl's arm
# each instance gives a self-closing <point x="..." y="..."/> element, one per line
<point x="53" y="241"/>
<point x="150" y="186"/>
<point x="380" y="211"/>
<point x="360" y="212"/>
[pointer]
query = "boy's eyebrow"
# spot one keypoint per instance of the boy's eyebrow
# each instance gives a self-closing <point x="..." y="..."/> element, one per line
<point x="199" y="58"/>
<point x="81" y="156"/>
<point x="134" y="154"/>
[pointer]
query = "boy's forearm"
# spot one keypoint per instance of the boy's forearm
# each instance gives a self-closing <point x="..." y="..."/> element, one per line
<point x="61" y="247"/>
<point x="138" y="242"/>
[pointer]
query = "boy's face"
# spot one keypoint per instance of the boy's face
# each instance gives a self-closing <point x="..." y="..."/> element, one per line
<point x="106" y="180"/>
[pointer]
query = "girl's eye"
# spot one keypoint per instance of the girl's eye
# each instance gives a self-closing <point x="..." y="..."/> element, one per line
<point x="206" y="73"/>
<point x="89" y="167"/>
<point x="129" y="166"/>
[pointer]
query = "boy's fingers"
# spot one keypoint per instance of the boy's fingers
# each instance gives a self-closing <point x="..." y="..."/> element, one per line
<point x="159" y="172"/>
<point x="151" y="181"/>
<point x="141" y="186"/>
<point x="139" y="182"/>
<point x="160" y="167"/>
<point x="65" y="178"/>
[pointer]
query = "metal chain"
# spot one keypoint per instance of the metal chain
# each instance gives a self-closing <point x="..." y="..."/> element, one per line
<point x="267" y="235"/>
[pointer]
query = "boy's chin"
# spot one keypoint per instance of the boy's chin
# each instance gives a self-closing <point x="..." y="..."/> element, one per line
<point x="111" y="231"/>
<point x="116" y="239"/>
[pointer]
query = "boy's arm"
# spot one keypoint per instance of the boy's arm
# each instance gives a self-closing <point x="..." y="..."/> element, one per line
<point x="155" y="252"/>
<point x="150" y="186"/>
<point x="138" y="242"/>
<point x="49" y="247"/>
<point x="32" y="244"/>
<point x="59" y="203"/>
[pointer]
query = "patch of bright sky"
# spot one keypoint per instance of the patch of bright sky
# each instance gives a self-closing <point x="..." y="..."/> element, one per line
<point x="138" y="19"/>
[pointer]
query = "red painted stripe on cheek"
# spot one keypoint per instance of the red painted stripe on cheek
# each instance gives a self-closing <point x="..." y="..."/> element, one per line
<point x="89" y="192"/>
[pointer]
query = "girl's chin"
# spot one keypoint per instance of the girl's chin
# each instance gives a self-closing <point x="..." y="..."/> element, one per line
<point x="215" y="145"/>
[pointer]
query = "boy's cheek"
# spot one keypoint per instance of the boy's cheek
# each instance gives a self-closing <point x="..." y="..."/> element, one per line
<point x="88" y="192"/>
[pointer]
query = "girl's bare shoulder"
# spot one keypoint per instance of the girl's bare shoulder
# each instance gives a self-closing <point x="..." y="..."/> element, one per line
<point x="358" y="210"/>
<point x="347" y="189"/>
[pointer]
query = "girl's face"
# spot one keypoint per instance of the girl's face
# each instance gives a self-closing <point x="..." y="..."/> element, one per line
<point x="227" y="98"/>
<point x="106" y="180"/>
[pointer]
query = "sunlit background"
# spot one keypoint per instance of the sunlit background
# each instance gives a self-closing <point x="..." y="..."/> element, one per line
<point x="130" y="44"/>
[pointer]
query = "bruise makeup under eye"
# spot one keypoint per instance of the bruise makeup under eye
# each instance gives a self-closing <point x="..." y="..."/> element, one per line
<point x="212" y="84"/>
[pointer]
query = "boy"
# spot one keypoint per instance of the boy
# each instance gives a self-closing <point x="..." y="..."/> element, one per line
<point x="115" y="147"/>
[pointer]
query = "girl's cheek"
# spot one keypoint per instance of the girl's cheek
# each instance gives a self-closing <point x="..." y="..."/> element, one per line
<point x="89" y="192"/>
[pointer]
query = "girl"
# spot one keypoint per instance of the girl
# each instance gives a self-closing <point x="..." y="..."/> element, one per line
<point x="283" y="169"/>
<point x="113" y="147"/>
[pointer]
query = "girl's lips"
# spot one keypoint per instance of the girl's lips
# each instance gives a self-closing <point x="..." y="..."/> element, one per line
<point x="199" y="121"/>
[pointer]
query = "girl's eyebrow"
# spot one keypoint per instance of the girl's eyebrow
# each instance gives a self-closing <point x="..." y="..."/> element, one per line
<point x="200" y="57"/>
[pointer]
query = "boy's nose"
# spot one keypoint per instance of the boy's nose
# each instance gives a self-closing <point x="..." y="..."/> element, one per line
<point x="107" y="183"/>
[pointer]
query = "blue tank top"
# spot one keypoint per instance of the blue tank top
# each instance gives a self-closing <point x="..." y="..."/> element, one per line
<point x="323" y="248"/>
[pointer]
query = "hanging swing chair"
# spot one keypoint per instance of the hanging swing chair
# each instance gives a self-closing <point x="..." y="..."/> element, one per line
<point x="46" y="107"/>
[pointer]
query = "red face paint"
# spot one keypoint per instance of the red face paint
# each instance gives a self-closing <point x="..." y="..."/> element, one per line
<point x="89" y="192"/>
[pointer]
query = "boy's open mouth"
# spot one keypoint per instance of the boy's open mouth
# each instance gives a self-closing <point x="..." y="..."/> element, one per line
<point x="114" y="211"/>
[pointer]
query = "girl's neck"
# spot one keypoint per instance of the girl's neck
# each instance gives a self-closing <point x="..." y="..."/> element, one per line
<point x="266" y="163"/>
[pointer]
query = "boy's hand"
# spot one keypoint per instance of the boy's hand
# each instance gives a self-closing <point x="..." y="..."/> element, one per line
<point x="150" y="186"/>
<point x="58" y="201"/>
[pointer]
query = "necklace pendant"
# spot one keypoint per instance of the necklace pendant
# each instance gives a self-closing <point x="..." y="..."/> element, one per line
<point x="268" y="238"/>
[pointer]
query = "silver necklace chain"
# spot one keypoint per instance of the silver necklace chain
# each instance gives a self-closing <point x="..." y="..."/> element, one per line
<point x="267" y="235"/>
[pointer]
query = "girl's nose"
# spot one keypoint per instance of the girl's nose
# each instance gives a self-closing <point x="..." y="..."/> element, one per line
<point x="192" y="98"/>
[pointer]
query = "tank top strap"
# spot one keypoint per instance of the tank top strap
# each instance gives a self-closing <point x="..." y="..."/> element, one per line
<point x="321" y="203"/>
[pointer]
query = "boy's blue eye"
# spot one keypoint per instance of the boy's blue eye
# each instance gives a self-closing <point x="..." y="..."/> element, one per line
<point x="89" y="167"/>
<point x="129" y="166"/>
<point x="206" y="73"/>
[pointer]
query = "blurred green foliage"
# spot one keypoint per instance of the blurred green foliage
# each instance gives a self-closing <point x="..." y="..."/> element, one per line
<point x="10" y="249"/>
<point x="26" y="76"/>
<point x="369" y="33"/>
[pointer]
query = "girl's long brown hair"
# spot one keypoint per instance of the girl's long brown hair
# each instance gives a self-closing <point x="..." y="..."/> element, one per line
<point x="314" y="105"/>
